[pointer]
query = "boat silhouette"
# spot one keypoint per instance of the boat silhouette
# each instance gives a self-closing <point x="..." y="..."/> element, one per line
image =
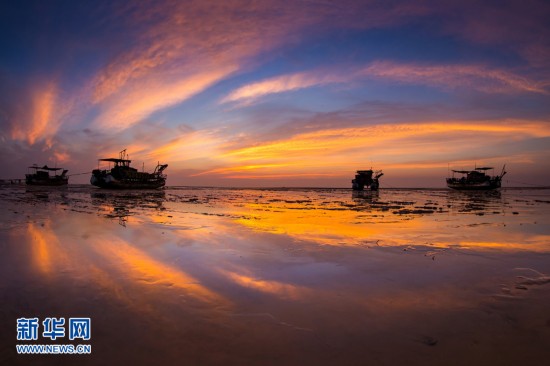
<point x="476" y="179"/>
<point x="42" y="177"/>
<point x="123" y="176"/>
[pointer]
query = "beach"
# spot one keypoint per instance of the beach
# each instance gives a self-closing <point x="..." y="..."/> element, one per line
<point x="209" y="276"/>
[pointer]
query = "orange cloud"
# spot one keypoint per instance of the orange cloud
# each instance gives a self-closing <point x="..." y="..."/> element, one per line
<point x="193" y="146"/>
<point x="141" y="100"/>
<point x="327" y="142"/>
<point x="242" y="168"/>
<point x="44" y="119"/>
<point x="61" y="157"/>
<point x="261" y="175"/>
<point x="336" y="151"/>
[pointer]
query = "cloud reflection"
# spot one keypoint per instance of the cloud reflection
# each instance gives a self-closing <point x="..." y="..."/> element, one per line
<point x="45" y="247"/>
<point x="140" y="267"/>
<point x="276" y="288"/>
<point x="103" y="258"/>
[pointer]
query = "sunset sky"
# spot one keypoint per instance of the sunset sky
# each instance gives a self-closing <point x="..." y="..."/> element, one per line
<point x="278" y="93"/>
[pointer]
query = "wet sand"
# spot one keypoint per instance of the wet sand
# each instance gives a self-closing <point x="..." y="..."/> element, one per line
<point x="281" y="277"/>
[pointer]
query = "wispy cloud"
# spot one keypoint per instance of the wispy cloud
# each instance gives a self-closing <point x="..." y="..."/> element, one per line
<point x="455" y="76"/>
<point x="520" y="27"/>
<point x="327" y="142"/>
<point x="149" y="56"/>
<point x="140" y="101"/>
<point x="242" y="168"/>
<point x="280" y="84"/>
<point x="179" y="49"/>
<point x="194" y="148"/>
<point x="336" y="151"/>
<point x="472" y="77"/>
<point x="182" y="49"/>
<point x="42" y="118"/>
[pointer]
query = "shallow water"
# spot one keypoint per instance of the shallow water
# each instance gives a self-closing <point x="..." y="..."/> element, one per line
<point x="308" y="276"/>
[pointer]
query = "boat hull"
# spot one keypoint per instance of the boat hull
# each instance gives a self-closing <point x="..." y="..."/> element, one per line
<point x="52" y="182"/>
<point x="358" y="187"/>
<point x="473" y="186"/>
<point x="110" y="182"/>
<point x="365" y="179"/>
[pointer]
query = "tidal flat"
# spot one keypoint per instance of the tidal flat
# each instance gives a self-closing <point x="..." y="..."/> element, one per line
<point x="209" y="276"/>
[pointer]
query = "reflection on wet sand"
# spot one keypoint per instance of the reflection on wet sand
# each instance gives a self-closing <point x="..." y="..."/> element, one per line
<point x="283" y="277"/>
<point x="42" y="242"/>
<point x="277" y="288"/>
<point x="140" y="267"/>
<point x="436" y="220"/>
<point x="109" y="260"/>
<point x="123" y="204"/>
<point x="479" y="203"/>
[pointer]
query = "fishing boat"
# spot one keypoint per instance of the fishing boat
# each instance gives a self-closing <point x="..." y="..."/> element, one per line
<point x="476" y="179"/>
<point x="41" y="176"/>
<point x="122" y="176"/>
<point x="366" y="178"/>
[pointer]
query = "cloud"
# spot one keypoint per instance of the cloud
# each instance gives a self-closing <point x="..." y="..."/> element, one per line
<point x="337" y="151"/>
<point x="61" y="157"/>
<point x="193" y="148"/>
<point x="140" y="101"/>
<point x="471" y="77"/>
<point x="178" y="49"/>
<point x="43" y="117"/>
<point x="521" y="27"/>
<point x="281" y="84"/>
<point x="149" y="56"/>
<point x="182" y="49"/>
<point x="242" y="168"/>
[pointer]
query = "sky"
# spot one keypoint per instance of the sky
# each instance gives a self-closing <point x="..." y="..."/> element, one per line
<point x="278" y="93"/>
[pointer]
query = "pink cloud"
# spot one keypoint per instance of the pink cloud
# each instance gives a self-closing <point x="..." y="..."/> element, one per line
<point x="194" y="44"/>
<point x="284" y="83"/>
<point x="213" y="41"/>
<point x="482" y="78"/>
<point x="472" y="77"/>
